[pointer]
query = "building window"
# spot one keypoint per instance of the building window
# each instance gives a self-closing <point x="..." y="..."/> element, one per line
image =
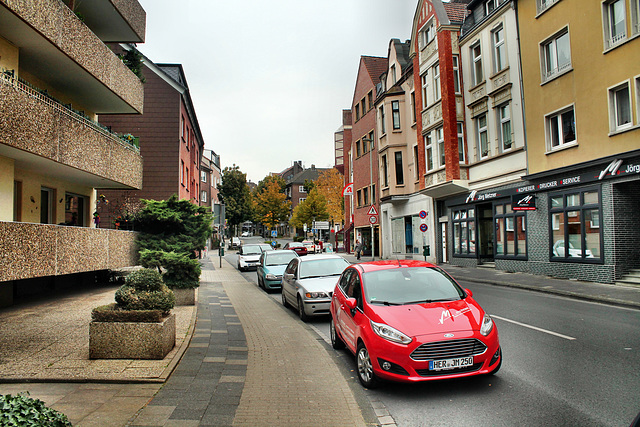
<point x="358" y="154"/>
<point x="370" y="98"/>
<point x="440" y="142"/>
<point x="186" y="176"/>
<point x="436" y="82"/>
<point x="415" y="162"/>
<point x="425" y="89"/>
<point x="301" y="189"/>
<point x="476" y="72"/>
<point x="399" y="169"/>
<point x="461" y="151"/>
<point x="464" y="232"/>
<point x="635" y="17"/>
<point x="511" y="232"/>
<point x="203" y="196"/>
<point x="482" y="136"/>
<point x="385" y="171"/>
<point x="393" y="74"/>
<point x="615" y="22"/>
<point x="575" y="229"/>
<point x="620" y="107"/>
<point x="17" y="201"/>
<point x="363" y="103"/>
<point x="560" y="128"/>
<point x="428" y="149"/>
<point x="182" y="172"/>
<point x="365" y="193"/>
<point x="75" y="209"/>
<point x="413" y="107"/>
<point x="182" y="128"/>
<point x="427" y="35"/>
<point x="365" y="146"/>
<point x="47" y="205"/>
<point x="499" y="58"/>
<point x="383" y="126"/>
<point x="456" y="74"/>
<point x="556" y="55"/>
<point x="357" y="112"/>
<point x="301" y="199"/>
<point x="359" y="197"/>
<point x="203" y="176"/>
<point x="373" y="194"/>
<point x="395" y="112"/>
<point x="545" y="4"/>
<point x="504" y="126"/>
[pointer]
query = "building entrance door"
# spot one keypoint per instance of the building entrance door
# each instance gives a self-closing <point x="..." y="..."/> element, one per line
<point x="485" y="232"/>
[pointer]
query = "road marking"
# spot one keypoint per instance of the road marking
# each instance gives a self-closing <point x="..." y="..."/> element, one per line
<point x="534" y="328"/>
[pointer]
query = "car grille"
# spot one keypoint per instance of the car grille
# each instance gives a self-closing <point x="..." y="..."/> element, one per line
<point x="428" y="373"/>
<point x="449" y="349"/>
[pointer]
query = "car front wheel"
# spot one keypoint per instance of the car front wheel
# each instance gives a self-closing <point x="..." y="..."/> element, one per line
<point x="284" y="299"/>
<point x="301" y="312"/>
<point x="336" y="341"/>
<point x="365" y="368"/>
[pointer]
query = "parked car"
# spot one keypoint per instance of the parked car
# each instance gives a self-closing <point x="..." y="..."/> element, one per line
<point x="311" y="247"/>
<point x="298" y="247"/>
<point x="410" y="321"/>
<point x="271" y="267"/>
<point x="308" y="282"/>
<point x="248" y="257"/>
<point x="265" y="247"/>
<point x="234" y="243"/>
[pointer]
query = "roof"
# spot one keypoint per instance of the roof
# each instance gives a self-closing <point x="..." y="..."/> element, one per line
<point x="375" y="66"/>
<point x="456" y="12"/>
<point x="308" y="174"/>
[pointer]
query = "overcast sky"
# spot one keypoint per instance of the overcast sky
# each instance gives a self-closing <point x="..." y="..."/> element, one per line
<point x="269" y="78"/>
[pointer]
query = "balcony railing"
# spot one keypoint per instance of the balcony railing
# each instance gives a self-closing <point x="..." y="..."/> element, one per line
<point x="37" y="250"/>
<point x="7" y="77"/>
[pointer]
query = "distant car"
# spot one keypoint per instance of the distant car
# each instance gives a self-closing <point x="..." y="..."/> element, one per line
<point x="311" y="247"/>
<point x="558" y="250"/>
<point x="234" y="243"/>
<point x="249" y="257"/>
<point x="409" y="321"/>
<point x="298" y="247"/>
<point x="245" y="234"/>
<point x="308" y="283"/>
<point x="271" y="266"/>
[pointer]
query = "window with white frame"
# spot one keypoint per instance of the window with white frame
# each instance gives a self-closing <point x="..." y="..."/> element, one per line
<point x="461" y="156"/>
<point x="620" y="107"/>
<point x="635" y="17"/>
<point x="301" y="199"/>
<point x="504" y="126"/>
<point x="436" y="82"/>
<point x="482" y="135"/>
<point x="556" y="55"/>
<point x="545" y="4"/>
<point x="499" y="50"/>
<point x="490" y="6"/>
<point x="203" y="196"/>
<point x="476" y="56"/>
<point x="413" y="107"/>
<point x="440" y="142"/>
<point x="428" y="149"/>
<point x="395" y="112"/>
<point x="456" y="74"/>
<point x="560" y="128"/>
<point x="415" y="162"/>
<point x="301" y="189"/>
<point x="615" y="22"/>
<point x="427" y="34"/>
<point x="383" y="126"/>
<point x="393" y="74"/>
<point x="399" y="168"/>
<point x="425" y="89"/>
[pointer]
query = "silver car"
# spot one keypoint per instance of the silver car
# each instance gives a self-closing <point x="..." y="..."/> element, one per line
<point x="308" y="283"/>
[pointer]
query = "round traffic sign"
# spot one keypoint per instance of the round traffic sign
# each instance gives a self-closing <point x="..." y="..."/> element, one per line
<point x="423" y="227"/>
<point x="422" y="214"/>
<point x="373" y="219"/>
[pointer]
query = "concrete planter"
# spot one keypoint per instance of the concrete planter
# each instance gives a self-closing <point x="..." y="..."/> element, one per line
<point x="185" y="296"/>
<point x="129" y="340"/>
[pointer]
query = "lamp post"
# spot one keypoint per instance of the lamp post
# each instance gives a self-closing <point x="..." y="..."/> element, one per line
<point x="373" y="244"/>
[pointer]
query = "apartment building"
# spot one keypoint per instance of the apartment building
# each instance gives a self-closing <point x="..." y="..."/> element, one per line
<point x="399" y="174"/>
<point x="56" y="76"/>
<point x="361" y="167"/>
<point x="581" y="79"/>
<point x="210" y="175"/>
<point x="171" y="142"/>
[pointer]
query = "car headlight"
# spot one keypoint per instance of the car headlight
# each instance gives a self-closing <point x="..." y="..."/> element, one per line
<point x="487" y="325"/>
<point x="313" y="295"/>
<point x="389" y="333"/>
<point x="271" y="277"/>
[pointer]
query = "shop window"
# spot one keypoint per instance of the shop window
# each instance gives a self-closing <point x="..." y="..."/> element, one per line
<point x="575" y="231"/>
<point x="464" y="232"/>
<point x="511" y="232"/>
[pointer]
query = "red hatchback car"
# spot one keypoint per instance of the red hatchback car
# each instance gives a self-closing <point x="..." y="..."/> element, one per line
<point x="297" y="247"/>
<point x="410" y="321"/>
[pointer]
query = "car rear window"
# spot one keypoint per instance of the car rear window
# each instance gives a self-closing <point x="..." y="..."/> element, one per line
<point x="410" y="286"/>
<point x="322" y="267"/>
<point x="251" y="250"/>
<point x="279" y="258"/>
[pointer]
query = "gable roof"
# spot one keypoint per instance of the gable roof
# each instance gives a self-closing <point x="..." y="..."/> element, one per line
<point x="456" y="12"/>
<point x="375" y="66"/>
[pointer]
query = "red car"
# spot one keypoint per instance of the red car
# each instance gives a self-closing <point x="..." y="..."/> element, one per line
<point x="297" y="247"/>
<point x="410" y="321"/>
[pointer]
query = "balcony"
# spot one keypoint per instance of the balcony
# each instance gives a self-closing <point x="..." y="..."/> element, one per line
<point x="44" y="135"/>
<point x="38" y="250"/>
<point x="114" y="21"/>
<point x="59" y="50"/>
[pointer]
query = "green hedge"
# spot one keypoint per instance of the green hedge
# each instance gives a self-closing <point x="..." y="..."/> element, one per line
<point x="22" y="410"/>
<point x="111" y="313"/>
<point x="144" y="290"/>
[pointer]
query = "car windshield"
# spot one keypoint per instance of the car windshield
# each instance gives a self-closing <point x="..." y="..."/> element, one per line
<point x="279" y="258"/>
<point x="251" y="250"/>
<point x="412" y="285"/>
<point x="322" y="267"/>
<point x="266" y="247"/>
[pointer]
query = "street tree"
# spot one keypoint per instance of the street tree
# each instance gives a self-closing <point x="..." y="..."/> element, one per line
<point x="271" y="206"/>
<point x="329" y="185"/>
<point x="269" y="179"/>
<point x="313" y="208"/>
<point x="236" y="196"/>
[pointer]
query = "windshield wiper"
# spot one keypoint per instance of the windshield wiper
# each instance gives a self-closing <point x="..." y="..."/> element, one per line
<point x="385" y="302"/>
<point x="429" y="301"/>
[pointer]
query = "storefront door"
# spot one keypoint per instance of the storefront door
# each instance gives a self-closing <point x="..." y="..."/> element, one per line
<point x="485" y="232"/>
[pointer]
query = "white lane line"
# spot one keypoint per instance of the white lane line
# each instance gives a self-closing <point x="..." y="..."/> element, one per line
<point x="534" y="328"/>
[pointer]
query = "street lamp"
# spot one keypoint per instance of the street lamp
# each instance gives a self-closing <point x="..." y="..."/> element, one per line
<point x="373" y="244"/>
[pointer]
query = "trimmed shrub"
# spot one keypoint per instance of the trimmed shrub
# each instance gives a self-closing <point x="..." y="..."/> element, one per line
<point x="182" y="271"/>
<point x="144" y="290"/>
<point x="22" y="410"/>
<point x="111" y="313"/>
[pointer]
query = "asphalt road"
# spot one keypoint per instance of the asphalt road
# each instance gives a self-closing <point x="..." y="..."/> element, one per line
<point x="566" y="363"/>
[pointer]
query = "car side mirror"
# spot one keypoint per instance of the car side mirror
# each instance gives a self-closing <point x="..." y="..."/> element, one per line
<point x="469" y="293"/>
<point x="288" y="276"/>
<point x="351" y="303"/>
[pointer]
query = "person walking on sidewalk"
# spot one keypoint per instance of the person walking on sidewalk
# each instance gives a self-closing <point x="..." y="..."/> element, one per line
<point x="358" y="249"/>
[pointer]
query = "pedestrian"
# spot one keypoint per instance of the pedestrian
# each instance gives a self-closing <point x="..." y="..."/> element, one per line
<point x="358" y="249"/>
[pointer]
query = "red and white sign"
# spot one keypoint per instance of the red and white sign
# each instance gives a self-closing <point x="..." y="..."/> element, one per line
<point x="373" y="219"/>
<point x="372" y="210"/>
<point x="347" y="190"/>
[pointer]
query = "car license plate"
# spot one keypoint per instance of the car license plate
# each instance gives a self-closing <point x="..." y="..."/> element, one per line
<point x="442" y="365"/>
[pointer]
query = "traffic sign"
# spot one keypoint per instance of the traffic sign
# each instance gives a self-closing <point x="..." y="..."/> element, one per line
<point x="274" y="233"/>
<point x="373" y="219"/>
<point x="423" y="227"/>
<point x="422" y="214"/>
<point x="372" y="210"/>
